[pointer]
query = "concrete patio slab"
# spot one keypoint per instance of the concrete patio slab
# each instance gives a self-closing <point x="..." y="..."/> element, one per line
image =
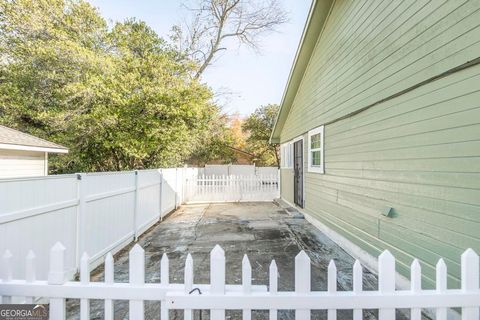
<point x="262" y="230"/>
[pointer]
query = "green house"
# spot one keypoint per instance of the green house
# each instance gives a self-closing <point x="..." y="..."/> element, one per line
<point x="380" y="129"/>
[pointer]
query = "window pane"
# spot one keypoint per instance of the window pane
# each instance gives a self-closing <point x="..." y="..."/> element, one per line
<point x="315" y="141"/>
<point x="316" y="158"/>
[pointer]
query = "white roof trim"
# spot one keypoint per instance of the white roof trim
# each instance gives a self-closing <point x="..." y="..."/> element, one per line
<point x="31" y="148"/>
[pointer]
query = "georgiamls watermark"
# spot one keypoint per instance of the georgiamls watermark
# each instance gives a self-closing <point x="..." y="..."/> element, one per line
<point x="24" y="312"/>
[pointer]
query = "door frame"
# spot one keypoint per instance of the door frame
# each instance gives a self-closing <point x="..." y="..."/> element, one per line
<point x="300" y="137"/>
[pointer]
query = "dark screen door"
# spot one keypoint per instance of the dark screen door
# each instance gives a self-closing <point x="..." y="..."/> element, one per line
<point x="298" y="173"/>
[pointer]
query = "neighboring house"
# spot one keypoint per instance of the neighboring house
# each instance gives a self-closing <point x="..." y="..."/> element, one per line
<point x="23" y="155"/>
<point x="380" y="129"/>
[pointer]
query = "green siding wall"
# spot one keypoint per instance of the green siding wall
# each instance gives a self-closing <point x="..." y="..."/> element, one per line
<point x="370" y="50"/>
<point x="286" y="185"/>
<point x="418" y="153"/>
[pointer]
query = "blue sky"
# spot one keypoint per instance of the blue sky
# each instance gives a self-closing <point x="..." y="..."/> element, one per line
<point x="251" y="79"/>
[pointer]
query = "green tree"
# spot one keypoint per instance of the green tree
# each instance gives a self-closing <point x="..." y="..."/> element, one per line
<point x="259" y="126"/>
<point x="44" y="47"/>
<point x="215" y="144"/>
<point x="149" y="111"/>
<point x="119" y="99"/>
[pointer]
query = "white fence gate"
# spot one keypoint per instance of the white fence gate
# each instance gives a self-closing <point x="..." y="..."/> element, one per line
<point x="232" y="188"/>
<point x="218" y="296"/>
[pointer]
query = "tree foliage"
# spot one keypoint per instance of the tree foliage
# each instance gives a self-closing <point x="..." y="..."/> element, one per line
<point x="239" y="136"/>
<point x="259" y="126"/>
<point x="215" y="145"/>
<point x="119" y="98"/>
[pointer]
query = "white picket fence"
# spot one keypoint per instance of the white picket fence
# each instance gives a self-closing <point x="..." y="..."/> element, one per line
<point x="232" y="188"/>
<point x="218" y="296"/>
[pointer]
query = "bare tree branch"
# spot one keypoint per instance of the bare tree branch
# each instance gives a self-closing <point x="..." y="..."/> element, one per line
<point x="212" y="22"/>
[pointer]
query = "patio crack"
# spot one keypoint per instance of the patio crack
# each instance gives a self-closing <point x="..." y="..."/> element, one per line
<point x="180" y="267"/>
<point x="195" y="227"/>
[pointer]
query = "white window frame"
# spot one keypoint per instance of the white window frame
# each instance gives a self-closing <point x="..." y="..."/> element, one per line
<point x="290" y="155"/>
<point x="318" y="168"/>
<point x="286" y="155"/>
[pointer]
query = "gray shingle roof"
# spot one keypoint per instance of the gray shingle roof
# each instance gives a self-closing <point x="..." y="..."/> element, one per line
<point x="11" y="136"/>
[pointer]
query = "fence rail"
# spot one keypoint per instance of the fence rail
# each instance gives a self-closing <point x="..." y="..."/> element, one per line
<point x="232" y="188"/>
<point x="236" y="170"/>
<point x="218" y="296"/>
<point x="92" y="212"/>
<point x="104" y="211"/>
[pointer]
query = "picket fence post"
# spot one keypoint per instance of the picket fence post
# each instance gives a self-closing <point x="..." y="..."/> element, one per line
<point x="165" y="281"/>
<point x="441" y="282"/>
<point x="30" y="275"/>
<point x="246" y="284"/>
<point x="302" y="282"/>
<point x="386" y="282"/>
<point x="357" y="286"/>
<point x="470" y="279"/>
<point x="416" y="287"/>
<point x="136" y="273"/>
<point x="188" y="280"/>
<point x="109" y="279"/>
<point x="85" y="280"/>
<point x="332" y="287"/>
<point x="217" y="278"/>
<point x="273" y="282"/>
<point x="7" y="274"/>
<point x="212" y="187"/>
<point x="56" y="276"/>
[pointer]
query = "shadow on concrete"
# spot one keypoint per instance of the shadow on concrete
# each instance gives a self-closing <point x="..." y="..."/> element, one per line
<point x="264" y="231"/>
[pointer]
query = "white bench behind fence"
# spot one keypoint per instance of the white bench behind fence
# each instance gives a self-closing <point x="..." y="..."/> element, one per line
<point x="218" y="296"/>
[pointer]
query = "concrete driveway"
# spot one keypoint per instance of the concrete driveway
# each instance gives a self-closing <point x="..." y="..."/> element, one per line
<point x="264" y="231"/>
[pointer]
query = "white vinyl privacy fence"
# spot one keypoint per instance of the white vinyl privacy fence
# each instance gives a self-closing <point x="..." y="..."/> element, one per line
<point x="87" y="212"/>
<point x="236" y="170"/>
<point x="102" y="212"/>
<point x="219" y="296"/>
